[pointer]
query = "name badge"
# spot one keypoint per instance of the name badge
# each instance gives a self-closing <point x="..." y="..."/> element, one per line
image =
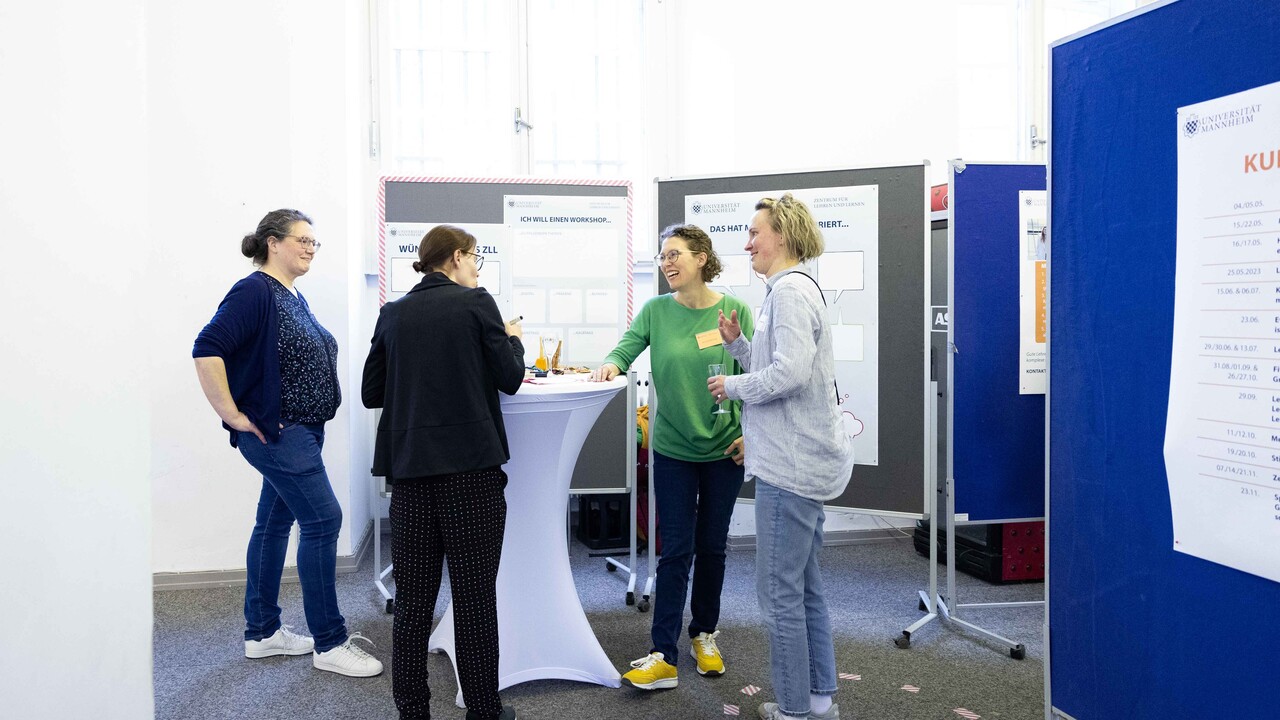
<point x="708" y="339"/>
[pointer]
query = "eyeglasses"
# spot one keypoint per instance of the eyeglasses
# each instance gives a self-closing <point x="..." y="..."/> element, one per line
<point x="479" y="258"/>
<point x="669" y="256"/>
<point x="306" y="242"/>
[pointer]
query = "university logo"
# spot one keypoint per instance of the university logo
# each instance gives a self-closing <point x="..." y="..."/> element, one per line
<point x="1191" y="125"/>
<point x="697" y="208"/>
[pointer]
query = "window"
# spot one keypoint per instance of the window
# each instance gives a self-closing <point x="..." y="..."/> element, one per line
<point x="450" y="73"/>
<point x="456" y="71"/>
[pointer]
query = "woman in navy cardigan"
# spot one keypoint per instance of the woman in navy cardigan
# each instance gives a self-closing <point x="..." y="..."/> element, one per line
<point x="440" y="356"/>
<point x="270" y="371"/>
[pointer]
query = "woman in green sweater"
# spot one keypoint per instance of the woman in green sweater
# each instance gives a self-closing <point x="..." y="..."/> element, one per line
<point x="697" y="454"/>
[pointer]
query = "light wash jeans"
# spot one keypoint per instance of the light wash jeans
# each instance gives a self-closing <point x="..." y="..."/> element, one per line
<point x="789" y="587"/>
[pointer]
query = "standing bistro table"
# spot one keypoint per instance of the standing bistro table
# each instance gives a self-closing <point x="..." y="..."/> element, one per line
<point x="542" y="631"/>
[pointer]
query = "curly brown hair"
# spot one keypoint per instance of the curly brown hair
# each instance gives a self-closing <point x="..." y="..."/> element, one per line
<point x="699" y="242"/>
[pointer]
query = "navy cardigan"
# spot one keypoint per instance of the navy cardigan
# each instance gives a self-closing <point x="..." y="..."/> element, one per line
<point x="439" y="357"/>
<point x="245" y="332"/>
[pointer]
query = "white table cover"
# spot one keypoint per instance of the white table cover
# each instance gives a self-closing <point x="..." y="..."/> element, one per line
<point x="543" y="632"/>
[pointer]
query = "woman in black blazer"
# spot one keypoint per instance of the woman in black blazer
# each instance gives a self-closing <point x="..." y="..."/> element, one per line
<point x="439" y="357"/>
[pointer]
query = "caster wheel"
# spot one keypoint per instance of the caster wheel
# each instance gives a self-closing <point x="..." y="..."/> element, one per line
<point x="923" y="607"/>
<point x="643" y="606"/>
<point x="391" y="605"/>
<point x="631" y="598"/>
<point x="1017" y="652"/>
<point x="903" y="642"/>
<point x="609" y="566"/>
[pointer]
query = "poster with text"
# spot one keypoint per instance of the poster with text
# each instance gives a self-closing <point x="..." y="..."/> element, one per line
<point x="848" y="273"/>
<point x="1222" y="438"/>
<point x="492" y="241"/>
<point x="569" y="274"/>
<point x="1032" y="277"/>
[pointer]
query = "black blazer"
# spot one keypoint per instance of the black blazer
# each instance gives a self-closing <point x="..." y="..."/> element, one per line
<point x="440" y="354"/>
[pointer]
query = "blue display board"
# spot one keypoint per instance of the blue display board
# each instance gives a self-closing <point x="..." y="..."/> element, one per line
<point x="997" y="438"/>
<point x="1135" y="629"/>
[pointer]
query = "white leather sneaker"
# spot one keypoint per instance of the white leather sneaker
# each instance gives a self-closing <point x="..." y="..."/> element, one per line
<point x="770" y="711"/>
<point x="282" y="642"/>
<point x="347" y="659"/>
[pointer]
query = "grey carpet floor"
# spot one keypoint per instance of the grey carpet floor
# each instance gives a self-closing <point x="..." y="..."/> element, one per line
<point x="200" y="670"/>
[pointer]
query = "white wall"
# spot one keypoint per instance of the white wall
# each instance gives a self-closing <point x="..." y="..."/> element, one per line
<point x="75" y="311"/>
<point x="757" y="86"/>
<point x="255" y="106"/>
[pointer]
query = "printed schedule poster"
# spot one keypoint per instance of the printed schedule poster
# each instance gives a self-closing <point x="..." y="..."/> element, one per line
<point x="568" y="274"/>
<point x="847" y="272"/>
<point x="1032" y="277"/>
<point x="1222" y="440"/>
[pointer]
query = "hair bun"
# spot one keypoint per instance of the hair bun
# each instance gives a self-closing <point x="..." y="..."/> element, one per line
<point x="249" y="246"/>
<point x="417" y="266"/>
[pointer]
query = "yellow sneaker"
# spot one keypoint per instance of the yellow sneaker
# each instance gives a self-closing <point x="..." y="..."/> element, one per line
<point x="651" y="672"/>
<point x="703" y="649"/>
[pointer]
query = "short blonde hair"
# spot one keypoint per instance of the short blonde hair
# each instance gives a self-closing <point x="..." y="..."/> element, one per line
<point x="791" y="219"/>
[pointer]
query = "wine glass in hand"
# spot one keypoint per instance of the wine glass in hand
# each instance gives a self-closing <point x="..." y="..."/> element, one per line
<point x="713" y="370"/>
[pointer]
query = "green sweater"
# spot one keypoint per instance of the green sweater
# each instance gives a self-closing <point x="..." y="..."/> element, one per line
<point x="686" y="429"/>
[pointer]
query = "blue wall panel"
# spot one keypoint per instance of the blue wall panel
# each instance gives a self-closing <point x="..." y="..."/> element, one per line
<point x="1137" y="630"/>
<point x="998" y="451"/>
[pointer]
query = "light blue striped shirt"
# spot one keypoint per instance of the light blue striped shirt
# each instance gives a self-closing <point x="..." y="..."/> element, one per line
<point x="791" y="425"/>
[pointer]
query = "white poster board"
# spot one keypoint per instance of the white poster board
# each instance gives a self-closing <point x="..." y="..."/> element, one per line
<point x="569" y="261"/>
<point x="1032" y="281"/>
<point x="1222" y="438"/>
<point x="848" y="272"/>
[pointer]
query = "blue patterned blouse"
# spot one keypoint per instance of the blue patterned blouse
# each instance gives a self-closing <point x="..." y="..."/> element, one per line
<point x="309" y="391"/>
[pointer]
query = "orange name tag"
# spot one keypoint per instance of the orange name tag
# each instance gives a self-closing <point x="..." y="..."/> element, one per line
<point x="708" y="339"/>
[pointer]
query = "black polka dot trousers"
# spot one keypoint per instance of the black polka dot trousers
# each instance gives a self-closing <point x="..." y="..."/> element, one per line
<point x="460" y="517"/>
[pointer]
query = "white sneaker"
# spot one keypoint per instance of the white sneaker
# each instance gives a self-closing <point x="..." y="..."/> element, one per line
<point x="282" y="643"/>
<point x="347" y="659"/>
<point x="770" y="711"/>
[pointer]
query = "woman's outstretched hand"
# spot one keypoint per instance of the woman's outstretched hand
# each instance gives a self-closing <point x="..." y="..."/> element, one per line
<point x="730" y="330"/>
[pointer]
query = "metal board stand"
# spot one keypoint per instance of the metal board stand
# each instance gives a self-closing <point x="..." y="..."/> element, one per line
<point x="611" y="564"/>
<point x="931" y="603"/>
<point x="380" y="573"/>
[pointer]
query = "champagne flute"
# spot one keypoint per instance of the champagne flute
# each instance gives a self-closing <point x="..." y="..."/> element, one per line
<point x="713" y="370"/>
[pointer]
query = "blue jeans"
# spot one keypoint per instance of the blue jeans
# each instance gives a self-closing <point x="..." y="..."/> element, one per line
<point x="695" y="503"/>
<point x="294" y="486"/>
<point x="789" y="587"/>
